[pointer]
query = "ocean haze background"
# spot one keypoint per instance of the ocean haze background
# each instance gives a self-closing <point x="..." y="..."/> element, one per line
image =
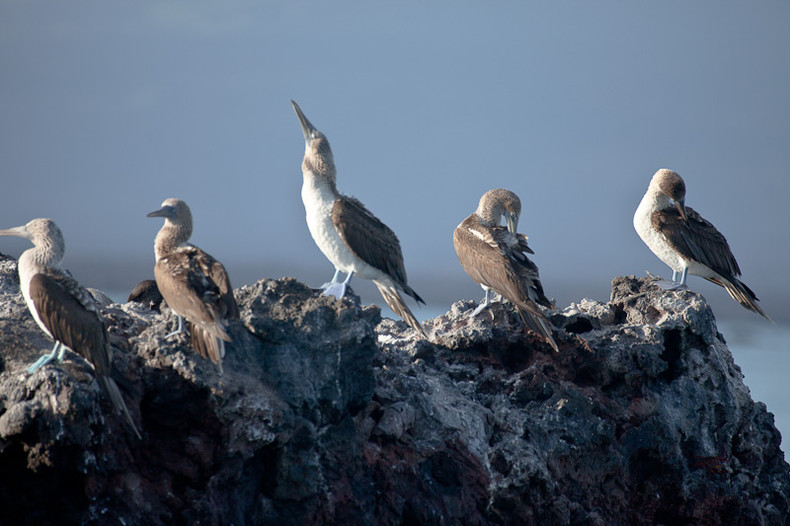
<point x="108" y="109"/>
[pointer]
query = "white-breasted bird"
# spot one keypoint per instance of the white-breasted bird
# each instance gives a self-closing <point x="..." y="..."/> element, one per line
<point x="354" y="240"/>
<point x="685" y="241"/>
<point x="64" y="310"/>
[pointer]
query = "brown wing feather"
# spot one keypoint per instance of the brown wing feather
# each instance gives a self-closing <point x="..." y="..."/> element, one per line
<point x="69" y="314"/>
<point x="485" y="262"/>
<point x="219" y="277"/>
<point x="697" y="239"/>
<point x="515" y="248"/>
<point x="187" y="279"/>
<point x="368" y="238"/>
<point x="490" y="259"/>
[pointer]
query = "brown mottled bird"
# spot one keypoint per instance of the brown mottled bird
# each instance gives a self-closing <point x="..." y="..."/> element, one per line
<point x="147" y="293"/>
<point x="495" y="257"/>
<point x="194" y="284"/>
<point x="349" y="235"/>
<point x="63" y="309"/>
<point x="685" y="241"/>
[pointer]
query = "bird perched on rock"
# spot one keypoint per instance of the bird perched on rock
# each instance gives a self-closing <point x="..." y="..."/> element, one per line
<point x="63" y="309"/>
<point x="685" y="241"/>
<point x="495" y="257"/>
<point x="194" y="284"/>
<point x="351" y="238"/>
<point x="147" y="293"/>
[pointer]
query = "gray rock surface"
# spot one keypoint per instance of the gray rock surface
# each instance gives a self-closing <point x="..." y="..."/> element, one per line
<point x="327" y="414"/>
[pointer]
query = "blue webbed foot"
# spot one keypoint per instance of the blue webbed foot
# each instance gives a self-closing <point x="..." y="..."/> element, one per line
<point x="333" y="288"/>
<point x="337" y="290"/>
<point x="57" y="351"/>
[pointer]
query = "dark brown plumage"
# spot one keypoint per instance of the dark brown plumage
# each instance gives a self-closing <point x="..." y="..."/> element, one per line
<point x="698" y="238"/>
<point x="195" y="285"/>
<point x="68" y="312"/>
<point x="147" y="293"/>
<point x="495" y="257"/>
<point x="356" y="225"/>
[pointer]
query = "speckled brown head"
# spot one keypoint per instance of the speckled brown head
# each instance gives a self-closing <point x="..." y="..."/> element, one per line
<point x="43" y="233"/>
<point x="671" y="185"/>
<point x="177" y="228"/>
<point x="498" y="202"/>
<point x="318" y="158"/>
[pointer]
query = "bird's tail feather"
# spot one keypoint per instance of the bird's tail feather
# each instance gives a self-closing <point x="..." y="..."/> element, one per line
<point x="537" y="323"/>
<point x="411" y="292"/>
<point x="209" y="345"/>
<point x="742" y="294"/>
<point x="114" y="394"/>
<point x="395" y="302"/>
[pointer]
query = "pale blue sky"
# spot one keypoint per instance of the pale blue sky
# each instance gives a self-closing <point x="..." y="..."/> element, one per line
<point x="108" y="108"/>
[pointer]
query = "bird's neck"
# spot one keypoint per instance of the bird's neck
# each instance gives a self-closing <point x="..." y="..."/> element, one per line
<point x="489" y="213"/>
<point x="42" y="256"/>
<point x="654" y="200"/>
<point x="169" y="238"/>
<point x="320" y="186"/>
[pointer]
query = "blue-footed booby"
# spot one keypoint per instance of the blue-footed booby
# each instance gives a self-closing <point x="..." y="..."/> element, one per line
<point x="147" y="293"/>
<point x="495" y="257"/>
<point x="682" y="239"/>
<point x="351" y="238"/>
<point x="63" y="309"/>
<point x="194" y="284"/>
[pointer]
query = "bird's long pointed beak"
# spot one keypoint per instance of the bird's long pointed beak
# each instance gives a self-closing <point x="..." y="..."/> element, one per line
<point x="166" y="212"/>
<point x="512" y="222"/>
<point x="681" y="209"/>
<point x="307" y="127"/>
<point x="18" y="231"/>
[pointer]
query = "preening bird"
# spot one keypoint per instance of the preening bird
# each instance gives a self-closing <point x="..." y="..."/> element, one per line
<point x="496" y="258"/>
<point x="685" y="241"/>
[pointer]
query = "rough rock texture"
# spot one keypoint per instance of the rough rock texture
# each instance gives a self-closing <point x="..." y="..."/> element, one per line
<point x="327" y="414"/>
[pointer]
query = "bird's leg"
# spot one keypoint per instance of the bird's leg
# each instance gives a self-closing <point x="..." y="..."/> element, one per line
<point x="335" y="280"/>
<point x="683" y="276"/>
<point x="180" y="328"/>
<point x="486" y="302"/>
<point x="675" y="284"/>
<point x="338" y="290"/>
<point x="44" y="360"/>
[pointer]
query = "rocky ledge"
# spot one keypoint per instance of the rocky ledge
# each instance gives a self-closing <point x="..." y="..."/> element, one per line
<point x="327" y="414"/>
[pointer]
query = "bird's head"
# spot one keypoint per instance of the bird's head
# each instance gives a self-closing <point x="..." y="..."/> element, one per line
<point x="40" y="231"/>
<point x="497" y="203"/>
<point x="318" y="158"/>
<point x="671" y="185"/>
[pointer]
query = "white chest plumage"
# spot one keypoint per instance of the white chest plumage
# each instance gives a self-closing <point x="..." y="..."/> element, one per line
<point x="27" y="270"/>
<point x="318" y="199"/>
<point x="653" y="238"/>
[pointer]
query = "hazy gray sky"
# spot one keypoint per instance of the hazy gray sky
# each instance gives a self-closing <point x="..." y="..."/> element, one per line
<point x="108" y="108"/>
